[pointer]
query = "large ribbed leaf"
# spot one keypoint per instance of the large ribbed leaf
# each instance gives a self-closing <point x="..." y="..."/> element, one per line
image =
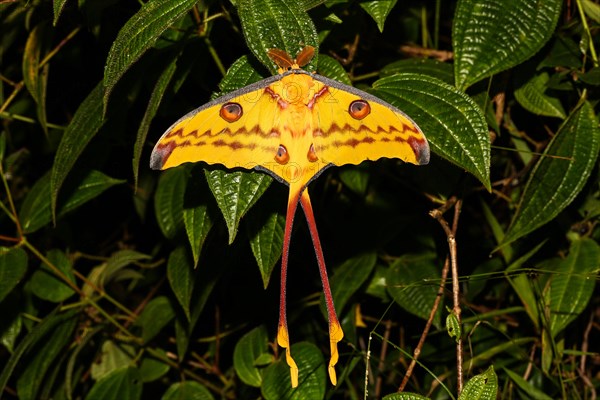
<point x="311" y="365"/>
<point x="265" y="231"/>
<point x="157" y="94"/>
<point x="413" y="283"/>
<point x="379" y="10"/>
<point x="235" y="193"/>
<point x="36" y="211"/>
<point x="453" y="124"/>
<point x="481" y="387"/>
<point x="281" y="24"/>
<point x="531" y="96"/>
<point x="168" y="200"/>
<point x="573" y="283"/>
<point x="13" y="266"/>
<point x="490" y="36"/>
<point x="248" y="350"/>
<point x="86" y="122"/>
<point x="138" y="35"/>
<point x="555" y="182"/>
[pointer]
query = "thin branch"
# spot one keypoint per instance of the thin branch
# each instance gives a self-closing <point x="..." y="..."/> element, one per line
<point x="421" y="343"/>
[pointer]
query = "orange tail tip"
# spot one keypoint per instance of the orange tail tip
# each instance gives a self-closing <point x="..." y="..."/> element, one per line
<point x="335" y="335"/>
<point x="284" y="341"/>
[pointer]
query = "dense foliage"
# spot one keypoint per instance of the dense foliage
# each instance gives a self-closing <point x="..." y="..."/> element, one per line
<point x="121" y="282"/>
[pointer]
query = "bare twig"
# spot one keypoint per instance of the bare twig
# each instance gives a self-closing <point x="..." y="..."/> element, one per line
<point x="451" y="237"/>
<point x="421" y="343"/>
<point x="382" y="354"/>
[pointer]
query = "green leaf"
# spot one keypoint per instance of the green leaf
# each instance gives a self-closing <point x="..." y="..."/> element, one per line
<point x="198" y="215"/>
<point x="156" y="315"/>
<point x="573" y="283"/>
<point x="86" y="122"/>
<point x="138" y="35"/>
<point x="46" y="285"/>
<point x="554" y="182"/>
<point x="453" y="326"/>
<point x="404" y="396"/>
<point x="188" y="390"/>
<point x="153" y="103"/>
<point x="348" y="278"/>
<point x="413" y="282"/>
<point x="181" y="278"/>
<point x="168" y="200"/>
<point x="379" y="10"/>
<point x="311" y="380"/>
<point x="36" y="211"/>
<point x="248" y="350"/>
<point x="489" y="36"/>
<point x="122" y="383"/>
<point x="13" y="266"/>
<point x="529" y="389"/>
<point x="356" y="178"/>
<point x="281" y="24"/>
<point x="152" y="367"/>
<point x="425" y="66"/>
<point x="265" y="231"/>
<point x="112" y="357"/>
<point x="44" y="360"/>
<point x="58" y="6"/>
<point x="591" y="9"/>
<point x="481" y="387"/>
<point x="331" y="68"/>
<point x="235" y="193"/>
<point x="531" y="97"/>
<point x="453" y="124"/>
<point x="241" y="73"/>
<point x="34" y="76"/>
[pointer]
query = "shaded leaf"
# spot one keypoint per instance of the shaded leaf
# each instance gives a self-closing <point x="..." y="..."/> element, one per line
<point x="527" y="387"/>
<point x="36" y="212"/>
<point x="554" y="182"/>
<point x="404" y="396"/>
<point x="46" y="285"/>
<point x="13" y="266"/>
<point x="489" y="36"/>
<point x="168" y="200"/>
<point x="156" y="315"/>
<point x="112" y="357"/>
<point x="181" y="277"/>
<point x="188" y="390"/>
<point x="138" y="35"/>
<point x="151" y="368"/>
<point x="573" y="283"/>
<point x="247" y="351"/>
<point x="453" y="124"/>
<point x="35" y="76"/>
<point x="153" y="103"/>
<point x="348" y="278"/>
<point x="413" y="283"/>
<point x="86" y="122"/>
<point x="122" y="383"/>
<point x="58" y="6"/>
<point x="43" y="359"/>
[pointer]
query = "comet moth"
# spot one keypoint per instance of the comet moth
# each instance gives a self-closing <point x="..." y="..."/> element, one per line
<point x="293" y="126"/>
